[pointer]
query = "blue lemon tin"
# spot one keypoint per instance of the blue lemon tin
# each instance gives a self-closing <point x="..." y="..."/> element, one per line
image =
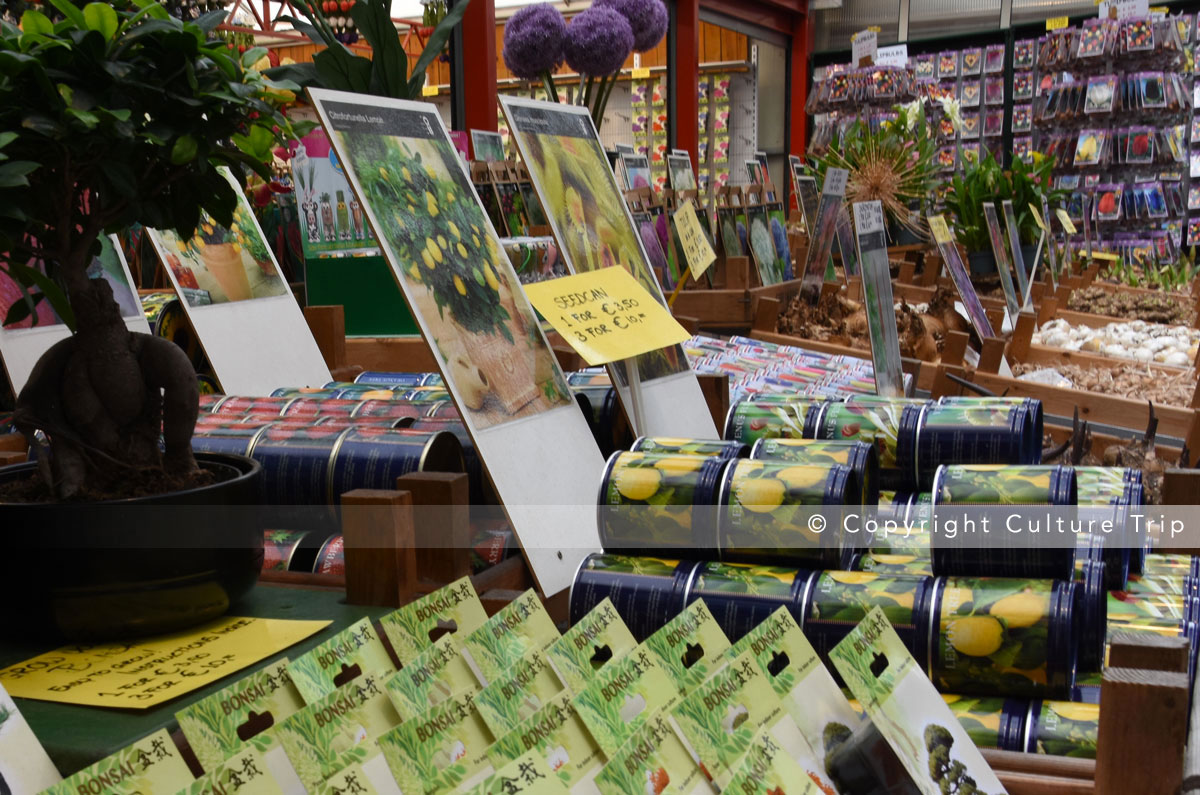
<point x="1091" y="611"/>
<point x="747" y="421"/>
<point x="859" y="456"/>
<point x="741" y="596"/>
<point x="1063" y="728"/>
<point x="647" y="592"/>
<point x="1034" y="414"/>
<point x="962" y="433"/>
<point x="482" y="492"/>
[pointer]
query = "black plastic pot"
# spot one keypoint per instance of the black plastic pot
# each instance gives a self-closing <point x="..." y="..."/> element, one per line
<point x="981" y="262"/>
<point x="102" y="571"/>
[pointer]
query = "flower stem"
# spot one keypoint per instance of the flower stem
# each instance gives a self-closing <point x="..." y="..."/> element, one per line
<point x="602" y="100"/>
<point x="551" y="89"/>
<point x="587" y="93"/>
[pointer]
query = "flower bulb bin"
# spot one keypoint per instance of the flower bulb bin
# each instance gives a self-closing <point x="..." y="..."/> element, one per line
<point x="125" y="568"/>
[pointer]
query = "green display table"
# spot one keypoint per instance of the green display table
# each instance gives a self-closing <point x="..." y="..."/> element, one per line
<point x="367" y="289"/>
<point x="77" y="736"/>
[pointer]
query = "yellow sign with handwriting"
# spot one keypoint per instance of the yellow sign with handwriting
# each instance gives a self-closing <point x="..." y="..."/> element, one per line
<point x="606" y="315"/>
<point x="1066" y="221"/>
<point x="941" y="232"/>
<point x="641" y="73"/>
<point x="1037" y="216"/>
<point x="696" y="248"/>
<point x="147" y="672"/>
<point x="1105" y="256"/>
<point x="1057" y="23"/>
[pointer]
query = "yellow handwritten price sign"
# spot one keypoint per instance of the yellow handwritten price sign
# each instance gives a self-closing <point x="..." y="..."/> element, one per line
<point x="147" y="672"/>
<point x="429" y="91"/>
<point x="1105" y="256"/>
<point x="941" y="232"/>
<point x="606" y="315"/>
<point x="1065" y="220"/>
<point x="641" y="73"/>
<point x="1057" y="23"/>
<point x="1037" y="216"/>
<point x="695" y="245"/>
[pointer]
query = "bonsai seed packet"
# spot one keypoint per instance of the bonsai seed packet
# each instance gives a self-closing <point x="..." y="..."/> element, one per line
<point x="219" y="726"/>
<point x="152" y="764"/>
<point x="623" y="696"/>
<point x="359" y="779"/>
<point x="690" y="646"/>
<point x="245" y="773"/>
<point x="594" y="641"/>
<point x="339" y="660"/>
<point x="558" y="734"/>
<point x="653" y="760"/>
<point x="442" y="748"/>
<point x="338" y="730"/>
<point x="430" y="678"/>
<point x="805" y="686"/>
<point x="908" y="711"/>
<point x="24" y="765"/>
<point x="522" y="626"/>
<point x="766" y="769"/>
<point x="720" y="718"/>
<point x="454" y="610"/>
<point x="528" y="774"/>
<point x="522" y="691"/>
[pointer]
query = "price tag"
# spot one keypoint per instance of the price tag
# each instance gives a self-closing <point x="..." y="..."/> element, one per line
<point x="868" y="218"/>
<point x="864" y="45"/>
<point x="941" y="232"/>
<point x="835" y="182"/>
<point x="641" y="73"/>
<point x="1129" y="9"/>
<point x="1037" y="216"/>
<point x="606" y="315"/>
<point x="429" y="91"/>
<point x="1105" y="256"/>
<point x="1057" y="23"/>
<point x="896" y="55"/>
<point x="700" y="255"/>
<point x="1066" y="221"/>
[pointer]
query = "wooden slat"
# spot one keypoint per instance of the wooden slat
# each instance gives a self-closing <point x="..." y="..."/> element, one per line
<point x="1148" y="652"/>
<point x="391" y="353"/>
<point x="381" y="560"/>
<point x="328" y="327"/>
<point x="442" y="534"/>
<point x="1040" y="764"/>
<point x="1029" y="784"/>
<point x="1143" y="731"/>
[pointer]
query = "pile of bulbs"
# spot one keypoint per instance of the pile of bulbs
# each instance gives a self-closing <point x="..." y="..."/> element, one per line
<point x="1138" y="340"/>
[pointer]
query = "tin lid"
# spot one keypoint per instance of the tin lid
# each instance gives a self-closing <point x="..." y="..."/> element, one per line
<point x="684" y="579"/>
<point x="576" y="611"/>
<point x="729" y="431"/>
<point x="813" y="416"/>
<point x="865" y="461"/>
<point x="923" y="602"/>
<point x="705" y="510"/>
<point x="1063" y="640"/>
<point x="908" y="441"/>
<point x="1063" y="490"/>
<point x="1013" y="717"/>
<point x="601" y="503"/>
<point x="928" y="614"/>
<point x="1031" y="726"/>
<point x="1037" y="421"/>
<point x="802" y="593"/>
<point x="1091" y="607"/>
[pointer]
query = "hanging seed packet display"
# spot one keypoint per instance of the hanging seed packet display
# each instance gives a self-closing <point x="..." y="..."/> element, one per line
<point x="824" y="228"/>
<point x="883" y="676"/>
<point x="453" y="610"/>
<point x="877" y="290"/>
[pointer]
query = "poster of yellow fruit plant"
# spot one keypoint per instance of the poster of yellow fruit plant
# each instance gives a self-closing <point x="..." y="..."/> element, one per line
<point x="454" y="272"/>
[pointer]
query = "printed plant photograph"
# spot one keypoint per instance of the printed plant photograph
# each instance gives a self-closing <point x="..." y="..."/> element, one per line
<point x="682" y="177"/>
<point x="489" y="146"/>
<point x="459" y="279"/>
<point x="220" y="265"/>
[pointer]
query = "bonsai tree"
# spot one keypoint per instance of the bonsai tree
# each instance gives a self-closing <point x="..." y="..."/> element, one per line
<point x="112" y="116"/>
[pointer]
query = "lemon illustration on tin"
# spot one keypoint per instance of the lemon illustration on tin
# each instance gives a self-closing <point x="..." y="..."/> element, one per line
<point x="892" y="560"/>
<point x="976" y="636"/>
<point x="1073" y="711"/>
<point x="1021" y="609"/>
<point x="801" y="476"/>
<point x="680" y="464"/>
<point x="638" y="483"/>
<point x="853" y="577"/>
<point x="953" y="598"/>
<point x="759" y="495"/>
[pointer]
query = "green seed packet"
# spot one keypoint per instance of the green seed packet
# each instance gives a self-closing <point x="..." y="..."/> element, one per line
<point x="338" y="730"/>
<point x="211" y="725"/>
<point x="690" y="647"/>
<point x="454" y="610"/>
<point x="653" y="760"/>
<point x="623" y="696"/>
<point x="766" y="769"/>
<point x="523" y="690"/>
<point x="314" y="673"/>
<point x="441" y="749"/>
<point x="720" y="717"/>
<point x="521" y="627"/>
<point x="350" y="780"/>
<point x="245" y="773"/>
<point x="528" y="774"/>
<point x="152" y="764"/>
<point x="430" y="678"/>
<point x="807" y="689"/>
<point x="559" y="736"/>
<point x="908" y="711"/>
<point x="595" y="640"/>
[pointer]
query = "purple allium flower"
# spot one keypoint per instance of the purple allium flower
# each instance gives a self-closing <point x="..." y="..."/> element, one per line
<point x="598" y="42"/>
<point x="647" y="18"/>
<point x="533" y="40"/>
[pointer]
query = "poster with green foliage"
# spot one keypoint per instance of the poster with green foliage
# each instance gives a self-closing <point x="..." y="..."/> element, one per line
<point x="594" y="641"/>
<point x="908" y="711"/>
<point x="652" y="760"/>
<point x="245" y="773"/>
<point x="453" y="610"/>
<point x="152" y="764"/>
<point x="523" y="690"/>
<point x="521" y="626"/>
<point x="690" y="646"/>
<point x="623" y="696"/>
<point x="440" y="749"/>
<point x="430" y="678"/>
<point x="558" y="734"/>
<point x="219" y="726"/>
<point x="319" y="671"/>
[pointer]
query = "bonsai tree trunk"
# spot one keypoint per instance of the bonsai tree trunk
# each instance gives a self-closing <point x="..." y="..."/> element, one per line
<point x="102" y="397"/>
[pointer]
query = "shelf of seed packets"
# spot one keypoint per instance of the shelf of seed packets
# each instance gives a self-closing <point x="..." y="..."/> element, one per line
<point x="1111" y="107"/>
<point x="843" y="94"/>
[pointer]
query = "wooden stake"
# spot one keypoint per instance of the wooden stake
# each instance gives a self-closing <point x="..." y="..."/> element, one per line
<point x="766" y="314"/>
<point x="328" y="327"/>
<point x="1148" y="651"/>
<point x="442" y="523"/>
<point x="954" y="348"/>
<point x="1022" y="336"/>
<point x="991" y="355"/>
<point x="716" y="395"/>
<point x="381" y="554"/>
<point x="1047" y="309"/>
<point x="1143" y="731"/>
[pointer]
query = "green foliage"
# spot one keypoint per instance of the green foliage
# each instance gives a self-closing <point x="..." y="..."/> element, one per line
<point x="385" y="75"/>
<point x="115" y="116"/>
<point x="984" y="181"/>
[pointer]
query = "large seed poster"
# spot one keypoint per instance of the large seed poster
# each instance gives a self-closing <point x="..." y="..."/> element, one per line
<point x="468" y="302"/>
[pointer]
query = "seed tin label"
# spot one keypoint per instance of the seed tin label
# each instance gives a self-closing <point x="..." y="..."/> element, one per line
<point x="454" y="609"/>
<point x="646" y="591"/>
<point x="741" y="596"/>
<point x="875" y="424"/>
<point x="1067" y="728"/>
<point x="767" y="509"/>
<point x="980" y="717"/>
<point x="649" y="498"/>
<point x="753" y="421"/>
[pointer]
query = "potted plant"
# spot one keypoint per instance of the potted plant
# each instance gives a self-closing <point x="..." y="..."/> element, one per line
<point x="113" y="116"/>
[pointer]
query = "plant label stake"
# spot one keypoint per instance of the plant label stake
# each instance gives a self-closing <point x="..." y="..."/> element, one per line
<point x="845" y="241"/>
<point x="1037" y="260"/>
<point x="1087" y="226"/>
<point x="806" y="189"/>
<point x="1014" y="243"/>
<point x="1044" y="222"/>
<point x="1002" y="263"/>
<point x="958" y="273"/>
<point x="877" y="292"/>
<point x="821" y="243"/>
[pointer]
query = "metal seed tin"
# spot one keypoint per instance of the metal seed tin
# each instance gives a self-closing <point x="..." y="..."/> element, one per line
<point x="859" y="456"/>
<point x="839" y="600"/>
<point x="331" y="558"/>
<point x="1063" y="728"/>
<point x="252" y="405"/>
<point x="1004" y="636"/>
<point x="1108" y="494"/>
<point x="784" y="514"/>
<point x="1172" y="564"/>
<point x="230" y="437"/>
<point x="319" y="407"/>
<point x="295" y="463"/>
<point x="1033" y="412"/>
<point x="748" y="422"/>
<point x="372" y="458"/>
<point x="879" y="426"/>
<point x="880" y="400"/>
<point x="741" y="596"/>
<point x="210" y="403"/>
<point x="305" y="392"/>
<point x="991" y="721"/>
<point x="385" y="379"/>
<point x="444" y="409"/>
<point x="280" y="548"/>
<point x="1091" y="611"/>
<point x="1155" y="584"/>
<point x="890" y="564"/>
<point x="968" y="434"/>
<point x="709" y="447"/>
<point x="647" y="592"/>
<point x="659" y="504"/>
<point x="397" y="409"/>
<point x="482" y="492"/>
